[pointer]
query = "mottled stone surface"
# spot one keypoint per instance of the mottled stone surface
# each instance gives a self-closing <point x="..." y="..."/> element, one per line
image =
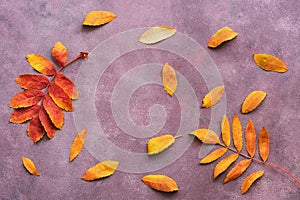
<point x="264" y="26"/>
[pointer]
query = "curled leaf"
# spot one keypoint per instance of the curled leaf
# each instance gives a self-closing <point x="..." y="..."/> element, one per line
<point x="55" y="113"/>
<point x="47" y="123"/>
<point x="237" y="133"/>
<point x="29" y="165"/>
<point x="98" y="17"/>
<point x="253" y="100"/>
<point x="213" y="97"/>
<point x="101" y="170"/>
<point x="270" y="63"/>
<point x="26" y="99"/>
<point x="23" y="114"/>
<point x="60" y="97"/>
<point x="169" y="79"/>
<point x="222" y="35"/>
<point x="32" y="81"/>
<point x="35" y="129"/>
<point x="250" y="180"/>
<point x="67" y="85"/>
<point x="214" y="156"/>
<point x="41" y="64"/>
<point x="264" y="144"/>
<point x="225" y="128"/>
<point x="60" y="54"/>
<point x="157" y="34"/>
<point x="206" y="136"/>
<point x="159" y="144"/>
<point x="250" y="136"/>
<point x="77" y="144"/>
<point x="237" y="170"/>
<point x="160" y="182"/>
<point x="224" y="164"/>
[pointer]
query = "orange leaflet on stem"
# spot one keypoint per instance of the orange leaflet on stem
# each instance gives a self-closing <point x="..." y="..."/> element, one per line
<point x="47" y="123"/>
<point x="55" y="113"/>
<point x="26" y="99"/>
<point x="60" y="97"/>
<point x="60" y="54"/>
<point x="32" y="81"/>
<point x="35" y="129"/>
<point x="41" y="64"/>
<point x="67" y="85"/>
<point x="21" y="115"/>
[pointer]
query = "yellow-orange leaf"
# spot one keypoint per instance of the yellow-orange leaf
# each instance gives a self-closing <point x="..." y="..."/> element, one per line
<point x="250" y="180"/>
<point x="225" y="128"/>
<point x="206" y="136"/>
<point x="29" y="165"/>
<point x="26" y="99"/>
<point x="47" y="123"/>
<point x="224" y="164"/>
<point x="160" y="182"/>
<point x="215" y="155"/>
<point x="169" y="79"/>
<point x="41" y="64"/>
<point x="213" y="97"/>
<point x="23" y="114"/>
<point x="253" y="100"/>
<point x="60" y="54"/>
<point x="264" y="144"/>
<point x="67" y="85"/>
<point x="237" y="133"/>
<point x="250" y="136"/>
<point x="237" y="170"/>
<point x="35" y="129"/>
<point x="98" y="17"/>
<point x="159" y="144"/>
<point x="77" y="144"/>
<point x="101" y="170"/>
<point x="270" y="63"/>
<point x="55" y="113"/>
<point x="157" y="34"/>
<point x="60" y="97"/>
<point x="222" y="35"/>
<point x="32" y="81"/>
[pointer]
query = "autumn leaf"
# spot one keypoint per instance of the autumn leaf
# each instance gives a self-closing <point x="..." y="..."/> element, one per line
<point x="77" y="144"/>
<point x="157" y="34"/>
<point x="98" y="17"/>
<point x="237" y="133"/>
<point x="159" y="144"/>
<point x="160" y="182"/>
<point x="169" y="79"/>
<point x="252" y="101"/>
<point x="41" y="64"/>
<point x="26" y="99"/>
<point x="224" y="164"/>
<point x="59" y="54"/>
<point x="214" y="156"/>
<point x="206" y="136"/>
<point x="270" y="63"/>
<point x="59" y="97"/>
<point x="264" y="144"/>
<point x="101" y="170"/>
<point x="47" y="123"/>
<point x="67" y="85"/>
<point x="222" y="35"/>
<point x="32" y="81"/>
<point x="213" y="97"/>
<point x="225" y="129"/>
<point x="237" y="170"/>
<point x="250" y="180"/>
<point x="29" y="165"/>
<point x="24" y="114"/>
<point x="250" y="137"/>
<point x="35" y="129"/>
<point x="55" y="113"/>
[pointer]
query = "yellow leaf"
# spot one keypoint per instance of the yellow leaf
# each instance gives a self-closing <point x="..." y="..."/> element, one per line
<point x="157" y="34"/>
<point x="159" y="144"/>
<point x="213" y="97"/>
<point x="169" y="79"/>
<point x="160" y="182"/>
<point x="225" y="127"/>
<point x="250" y="180"/>
<point x="250" y="137"/>
<point x="206" y="136"/>
<point x="98" y="17"/>
<point x="264" y="144"/>
<point x="101" y="170"/>
<point x="41" y="64"/>
<point x="237" y="170"/>
<point x="222" y="35"/>
<point x="29" y="165"/>
<point x="224" y="164"/>
<point x="77" y="144"/>
<point x="237" y="133"/>
<point x="60" y="53"/>
<point x="270" y="63"/>
<point x="253" y="100"/>
<point x="214" y="156"/>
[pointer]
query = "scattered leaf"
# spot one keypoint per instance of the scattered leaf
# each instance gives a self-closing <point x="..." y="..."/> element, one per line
<point x="237" y="170"/>
<point x="159" y="144"/>
<point x="225" y="128"/>
<point x="224" y="164"/>
<point x="222" y="35"/>
<point x="60" y="97"/>
<point x="67" y="85"/>
<point x="55" y="113"/>
<point x="250" y="180"/>
<point x="98" y="17"/>
<point x="169" y="79"/>
<point x="29" y="165"/>
<point x="26" y="99"/>
<point x="270" y="63"/>
<point x="77" y="144"/>
<point x="215" y="155"/>
<point x="41" y="64"/>
<point x="32" y="81"/>
<point x="264" y="144"/>
<point x="237" y="133"/>
<point x="101" y="170"/>
<point x="35" y="129"/>
<point x="60" y="54"/>
<point x="157" y="34"/>
<point x="206" y="136"/>
<point x="253" y="100"/>
<point x="213" y="97"/>
<point x="24" y="114"/>
<point x="160" y="182"/>
<point x="250" y="137"/>
<point x="47" y="123"/>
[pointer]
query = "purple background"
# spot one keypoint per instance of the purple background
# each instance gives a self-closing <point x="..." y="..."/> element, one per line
<point x="264" y="26"/>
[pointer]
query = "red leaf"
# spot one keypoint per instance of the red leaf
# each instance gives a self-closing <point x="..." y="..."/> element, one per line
<point x="60" y="54"/>
<point x="35" y="129"/>
<point x="32" y="81"/>
<point x="26" y="99"/>
<point x="54" y="112"/>
<point x="23" y="114"/>
<point x="60" y="97"/>
<point x="47" y="123"/>
<point x="67" y="85"/>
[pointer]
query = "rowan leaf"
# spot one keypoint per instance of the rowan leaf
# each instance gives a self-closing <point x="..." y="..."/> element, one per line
<point x="47" y="123"/>
<point x="55" y="113"/>
<point x="270" y="63"/>
<point x="60" y="97"/>
<point x="237" y="170"/>
<point x="77" y="144"/>
<point x="32" y="81"/>
<point x="222" y="35"/>
<point x="60" y="54"/>
<point x="213" y="97"/>
<point x="159" y="144"/>
<point x="98" y="17"/>
<point x="169" y="79"/>
<point x="250" y="180"/>
<point x="237" y="133"/>
<point x="67" y="85"/>
<point x="29" y="165"/>
<point x="21" y="115"/>
<point x="157" y="34"/>
<point x="224" y="164"/>
<point x="215" y="155"/>
<point x="250" y="137"/>
<point x="160" y="182"/>
<point x="101" y="170"/>
<point x="252" y="101"/>
<point x="35" y="129"/>
<point x="264" y="144"/>
<point x="26" y="99"/>
<point x="225" y="128"/>
<point x="41" y="64"/>
<point x="206" y="136"/>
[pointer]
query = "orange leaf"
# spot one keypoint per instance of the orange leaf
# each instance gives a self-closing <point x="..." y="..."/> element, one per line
<point x="250" y="180"/>
<point x="23" y="114"/>
<point x="160" y="182"/>
<point x="264" y="144"/>
<point x="157" y="34"/>
<point x="41" y="64"/>
<point x="250" y="136"/>
<point x="26" y="99"/>
<point x="237" y="170"/>
<point x="97" y="18"/>
<point x="29" y="165"/>
<point x="35" y="129"/>
<point x="101" y="170"/>
<point x="222" y="35"/>
<point x="225" y="127"/>
<point x="270" y="63"/>
<point x="60" y="54"/>
<point x="224" y="164"/>
<point x="159" y="144"/>
<point x="206" y="136"/>
<point x="67" y="85"/>
<point x="55" y="113"/>
<point x="214" y="156"/>
<point x="60" y="97"/>
<point x="32" y="81"/>
<point x="213" y="97"/>
<point x="253" y="100"/>
<point x="47" y="123"/>
<point x="237" y="133"/>
<point x="169" y="79"/>
<point x="77" y="144"/>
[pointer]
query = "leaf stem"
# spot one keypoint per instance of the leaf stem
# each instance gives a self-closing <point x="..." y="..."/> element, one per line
<point x="178" y="136"/>
<point x="83" y="55"/>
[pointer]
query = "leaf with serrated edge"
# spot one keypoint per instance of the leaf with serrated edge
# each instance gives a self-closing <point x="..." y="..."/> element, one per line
<point x="77" y="144"/>
<point x="270" y="63"/>
<point x="101" y="170"/>
<point x="213" y="97"/>
<point x="35" y="129"/>
<point x="41" y="64"/>
<point x="160" y="182"/>
<point x="60" y="54"/>
<point x="253" y="100"/>
<point x="47" y="123"/>
<point x="224" y="164"/>
<point x="264" y="144"/>
<point x="55" y="113"/>
<point x="225" y="128"/>
<point x="157" y="34"/>
<point x="29" y="165"/>
<point x="60" y="97"/>
<point x="67" y="85"/>
<point x="98" y="17"/>
<point x="222" y="35"/>
<point x="250" y="180"/>
<point x="237" y="133"/>
<point x="26" y="99"/>
<point x="250" y="137"/>
<point x="215" y="155"/>
<point x="237" y="170"/>
<point x="24" y="114"/>
<point x="32" y="81"/>
<point x="159" y="144"/>
<point x="169" y="79"/>
<point x="206" y="136"/>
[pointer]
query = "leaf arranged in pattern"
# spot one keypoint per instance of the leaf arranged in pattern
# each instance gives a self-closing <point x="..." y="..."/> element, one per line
<point x="59" y="54"/>
<point x="55" y="113"/>
<point x="67" y="85"/>
<point x="169" y="79"/>
<point x="160" y="182"/>
<point x="98" y="17"/>
<point x="206" y="136"/>
<point x="264" y="144"/>
<point x="270" y="63"/>
<point x="214" y="156"/>
<point x="47" y="123"/>
<point x="24" y="114"/>
<point x="213" y="97"/>
<point x="250" y="136"/>
<point x="225" y="129"/>
<point x="237" y="170"/>
<point x="252" y="101"/>
<point x="29" y="165"/>
<point x="237" y="133"/>
<point x="222" y="35"/>
<point x="26" y="99"/>
<point x="35" y="129"/>
<point x="41" y="64"/>
<point x="77" y="144"/>
<point x="101" y="170"/>
<point x="159" y="144"/>
<point x="250" y="180"/>
<point x="32" y="81"/>
<point x="157" y="34"/>
<point x="224" y="164"/>
<point x="60" y="97"/>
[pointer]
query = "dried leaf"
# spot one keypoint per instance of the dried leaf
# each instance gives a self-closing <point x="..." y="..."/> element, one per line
<point x="98" y="17"/>
<point x="206" y="136"/>
<point x="23" y="114"/>
<point x="60" y="54"/>
<point x="101" y="170"/>
<point x="169" y="79"/>
<point x="32" y="81"/>
<point x="270" y="63"/>
<point x="222" y="35"/>
<point x="29" y="165"/>
<point x="47" y="123"/>
<point x="213" y="97"/>
<point x="250" y="136"/>
<point x="250" y="180"/>
<point x="224" y="164"/>
<point x="160" y="182"/>
<point x="157" y="34"/>
<point x="237" y="133"/>
<point x="264" y="144"/>
<point x="55" y="113"/>
<point x="41" y="64"/>
<point x="26" y="99"/>
<point x="67" y="85"/>
<point x="159" y="144"/>
<point x="77" y="144"/>
<point x="253" y="100"/>
<point x="214" y="156"/>
<point x="225" y="127"/>
<point x="237" y="170"/>
<point x="35" y="129"/>
<point x="60" y="97"/>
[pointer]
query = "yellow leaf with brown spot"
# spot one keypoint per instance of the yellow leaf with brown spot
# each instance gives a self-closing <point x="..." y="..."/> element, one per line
<point x="77" y="144"/>
<point x="60" y="54"/>
<point x="270" y="63"/>
<point x="253" y="100"/>
<point x="160" y="182"/>
<point x="264" y="144"/>
<point x="225" y="128"/>
<point x="101" y="170"/>
<point x="237" y="133"/>
<point x="224" y="164"/>
<point x="98" y="17"/>
<point x="222" y="35"/>
<point x="237" y="170"/>
<point x="250" y="180"/>
<point x="206" y="136"/>
<point x="250" y="137"/>
<point x="41" y="64"/>
<point x="157" y="34"/>
<point x="169" y="79"/>
<point x="215" y="155"/>
<point x="213" y="97"/>
<point x="29" y="165"/>
<point x="159" y="144"/>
